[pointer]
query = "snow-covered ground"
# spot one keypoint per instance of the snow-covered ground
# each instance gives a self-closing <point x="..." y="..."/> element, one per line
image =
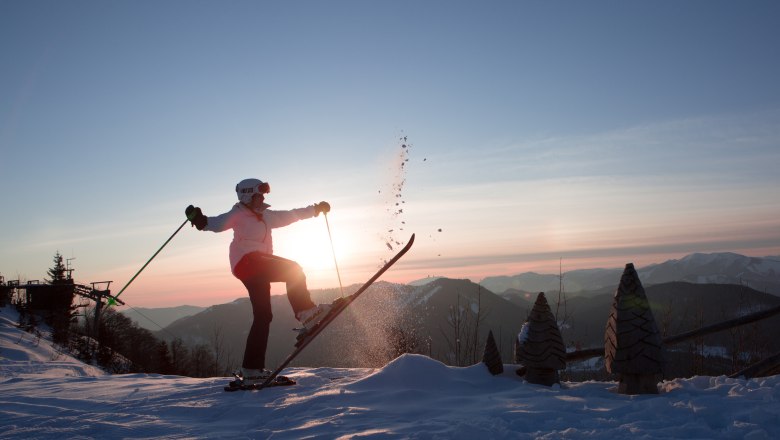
<point x="45" y="395"/>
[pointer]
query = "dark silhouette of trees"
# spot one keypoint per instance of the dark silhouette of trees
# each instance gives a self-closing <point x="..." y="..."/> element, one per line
<point x="131" y="349"/>
<point x="122" y="346"/>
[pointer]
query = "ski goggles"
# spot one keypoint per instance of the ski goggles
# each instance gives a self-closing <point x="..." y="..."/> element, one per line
<point x="261" y="188"/>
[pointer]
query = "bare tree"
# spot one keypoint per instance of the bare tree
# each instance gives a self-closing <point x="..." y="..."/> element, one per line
<point x="561" y="317"/>
<point x="463" y="336"/>
<point x="223" y="356"/>
<point x="475" y="347"/>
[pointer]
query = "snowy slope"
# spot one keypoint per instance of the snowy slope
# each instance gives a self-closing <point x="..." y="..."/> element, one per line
<point x="25" y="355"/>
<point x="411" y="397"/>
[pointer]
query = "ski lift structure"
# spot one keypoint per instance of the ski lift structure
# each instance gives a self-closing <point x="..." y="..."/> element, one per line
<point x="43" y="297"/>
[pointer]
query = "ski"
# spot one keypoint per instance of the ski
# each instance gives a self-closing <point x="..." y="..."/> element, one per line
<point x="338" y="306"/>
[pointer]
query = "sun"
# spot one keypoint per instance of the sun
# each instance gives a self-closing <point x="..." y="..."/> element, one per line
<point x="308" y="244"/>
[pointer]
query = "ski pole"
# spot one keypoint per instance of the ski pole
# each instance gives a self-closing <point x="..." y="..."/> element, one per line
<point x="112" y="301"/>
<point x="333" y="250"/>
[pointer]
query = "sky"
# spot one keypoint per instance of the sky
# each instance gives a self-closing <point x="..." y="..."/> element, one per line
<point x="515" y="136"/>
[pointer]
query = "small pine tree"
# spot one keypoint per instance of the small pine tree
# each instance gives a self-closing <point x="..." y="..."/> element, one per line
<point x="492" y="357"/>
<point x="58" y="273"/>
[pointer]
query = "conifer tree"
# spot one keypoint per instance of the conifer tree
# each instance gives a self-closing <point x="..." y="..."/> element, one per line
<point x="57" y="274"/>
<point x="633" y="348"/>
<point x="60" y="312"/>
<point x="492" y="357"/>
<point x="541" y="347"/>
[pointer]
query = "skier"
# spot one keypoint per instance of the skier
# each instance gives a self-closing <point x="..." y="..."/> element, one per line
<point x="253" y="263"/>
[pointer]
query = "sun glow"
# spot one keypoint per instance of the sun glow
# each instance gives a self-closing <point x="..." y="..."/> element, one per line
<point x="308" y="244"/>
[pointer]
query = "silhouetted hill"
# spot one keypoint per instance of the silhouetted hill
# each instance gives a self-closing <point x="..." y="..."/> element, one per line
<point x="446" y="310"/>
<point x="353" y="339"/>
<point x="365" y="334"/>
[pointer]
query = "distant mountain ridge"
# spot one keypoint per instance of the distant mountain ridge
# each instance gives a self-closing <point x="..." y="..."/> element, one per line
<point x="154" y="318"/>
<point x="442" y="313"/>
<point x="759" y="273"/>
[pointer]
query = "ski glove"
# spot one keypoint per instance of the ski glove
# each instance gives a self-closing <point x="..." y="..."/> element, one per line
<point x="321" y="207"/>
<point x="196" y="217"/>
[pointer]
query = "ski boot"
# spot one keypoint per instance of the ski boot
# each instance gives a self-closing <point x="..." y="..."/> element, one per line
<point x="310" y="317"/>
<point x="250" y="379"/>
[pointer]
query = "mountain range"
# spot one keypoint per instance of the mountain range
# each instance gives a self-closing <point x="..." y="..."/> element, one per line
<point x="449" y="319"/>
<point x="154" y="318"/>
<point x="759" y="273"/>
<point x="438" y="319"/>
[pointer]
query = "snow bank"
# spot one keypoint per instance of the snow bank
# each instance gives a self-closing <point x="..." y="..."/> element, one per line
<point x="411" y="397"/>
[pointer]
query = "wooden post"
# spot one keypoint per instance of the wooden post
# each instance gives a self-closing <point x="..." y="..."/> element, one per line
<point x="632" y="343"/>
<point x="96" y="325"/>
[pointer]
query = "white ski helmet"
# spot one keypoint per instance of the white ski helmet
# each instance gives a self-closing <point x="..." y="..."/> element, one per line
<point x="247" y="188"/>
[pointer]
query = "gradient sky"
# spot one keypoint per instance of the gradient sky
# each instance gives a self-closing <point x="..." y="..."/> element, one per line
<point x="590" y="134"/>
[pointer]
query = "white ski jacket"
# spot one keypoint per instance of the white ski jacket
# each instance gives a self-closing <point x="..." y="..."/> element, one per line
<point x="252" y="230"/>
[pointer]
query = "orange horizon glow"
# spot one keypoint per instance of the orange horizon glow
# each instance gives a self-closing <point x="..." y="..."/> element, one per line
<point x="167" y="288"/>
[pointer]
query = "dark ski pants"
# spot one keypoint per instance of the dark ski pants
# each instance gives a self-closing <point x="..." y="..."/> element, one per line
<point x="257" y="271"/>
